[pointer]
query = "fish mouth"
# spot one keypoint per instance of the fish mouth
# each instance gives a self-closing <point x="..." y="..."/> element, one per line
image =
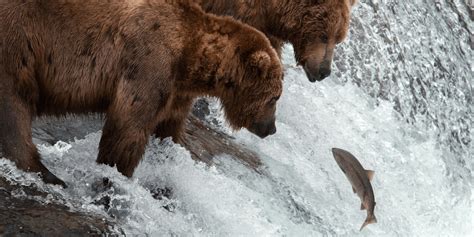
<point x="336" y="151"/>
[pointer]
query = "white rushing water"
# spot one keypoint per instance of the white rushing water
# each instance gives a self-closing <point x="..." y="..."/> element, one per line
<point x="423" y="179"/>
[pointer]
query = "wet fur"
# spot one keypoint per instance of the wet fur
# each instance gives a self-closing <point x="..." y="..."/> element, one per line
<point x="313" y="27"/>
<point x="140" y="62"/>
<point x="299" y="22"/>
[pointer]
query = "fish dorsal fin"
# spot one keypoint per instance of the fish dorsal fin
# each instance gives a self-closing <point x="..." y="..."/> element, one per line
<point x="370" y="174"/>
<point x="353" y="189"/>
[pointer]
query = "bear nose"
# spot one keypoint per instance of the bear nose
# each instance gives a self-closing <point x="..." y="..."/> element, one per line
<point x="272" y="130"/>
<point x="317" y="71"/>
<point x="323" y="73"/>
<point x="263" y="129"/>
<point x="316" y="74"/>
<point x="309" y="73"/>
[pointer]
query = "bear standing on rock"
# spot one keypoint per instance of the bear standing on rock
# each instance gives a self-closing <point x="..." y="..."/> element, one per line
<point x="141" y="62"/>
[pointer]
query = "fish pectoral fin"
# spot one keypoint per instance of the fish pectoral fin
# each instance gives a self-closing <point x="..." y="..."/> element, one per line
<point x="362" y="207"/>
<point x="353" y="189"/>
<point x="370" y="174"/>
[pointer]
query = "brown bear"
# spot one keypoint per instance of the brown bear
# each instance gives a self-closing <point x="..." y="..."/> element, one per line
<point x="313" y="27"/>
<point x="141" y="62"/>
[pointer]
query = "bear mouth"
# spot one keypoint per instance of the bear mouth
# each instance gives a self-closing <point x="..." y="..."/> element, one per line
<point x="263" y="130"/>
<point x="318" y="76"/>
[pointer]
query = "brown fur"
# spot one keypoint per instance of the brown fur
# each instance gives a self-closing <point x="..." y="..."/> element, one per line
<point x="314" y="27"/>
<point x="141" y="62"/>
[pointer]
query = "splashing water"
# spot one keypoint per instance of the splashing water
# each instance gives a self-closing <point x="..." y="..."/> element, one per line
<point x="423" y="175"/>
<point x="419" y="55"/>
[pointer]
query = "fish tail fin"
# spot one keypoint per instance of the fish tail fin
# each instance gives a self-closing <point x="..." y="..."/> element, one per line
<point x="369" y="220"/>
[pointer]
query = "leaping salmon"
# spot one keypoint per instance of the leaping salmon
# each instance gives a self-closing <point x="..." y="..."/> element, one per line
<point x="360" y="181"/>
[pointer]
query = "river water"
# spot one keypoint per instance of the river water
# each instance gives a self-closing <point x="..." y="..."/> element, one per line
<point x="400" y="99"/>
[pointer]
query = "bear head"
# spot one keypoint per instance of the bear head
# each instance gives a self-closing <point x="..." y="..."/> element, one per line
<point x="250" y="101"/>
<point x="315" y="27"/>
<point x="237" y="64"/>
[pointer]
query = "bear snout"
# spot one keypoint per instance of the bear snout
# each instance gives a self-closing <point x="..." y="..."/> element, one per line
<point x="263" y="129"/>
<point x="316" y="72"/>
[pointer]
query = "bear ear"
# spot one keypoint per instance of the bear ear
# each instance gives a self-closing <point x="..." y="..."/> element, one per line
<point x="260" y="60"/>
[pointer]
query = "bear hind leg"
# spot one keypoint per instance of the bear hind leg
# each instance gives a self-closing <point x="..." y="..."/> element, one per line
<point x="15" y="137"/>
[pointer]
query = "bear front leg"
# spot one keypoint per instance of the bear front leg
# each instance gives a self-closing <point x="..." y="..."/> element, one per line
<point x="131" y="119"/>
<point x="173" y="124"/>
<point x="122" y="145"/>
<point x="15" y="136"/>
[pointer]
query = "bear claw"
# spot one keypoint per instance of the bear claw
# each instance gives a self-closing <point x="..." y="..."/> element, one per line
<point x="50" y="178"/>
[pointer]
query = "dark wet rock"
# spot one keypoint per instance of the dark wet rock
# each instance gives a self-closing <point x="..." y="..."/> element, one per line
<point x="29" y="217"/>
<point x="160" y="193"/>
<point x="22" y="216"/>
<point x="50" y="130"/>
<point x="204" y="143"/>
<point x="201" y="109"/>
<point x="164" y="194"/>
<point x="103" y="201"/>
<point x="202" y="139"/>
<point x="102" y="185"/>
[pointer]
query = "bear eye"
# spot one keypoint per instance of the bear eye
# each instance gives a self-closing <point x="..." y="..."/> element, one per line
<point x="324" y="39"/>
<point x="273" y="100"/>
